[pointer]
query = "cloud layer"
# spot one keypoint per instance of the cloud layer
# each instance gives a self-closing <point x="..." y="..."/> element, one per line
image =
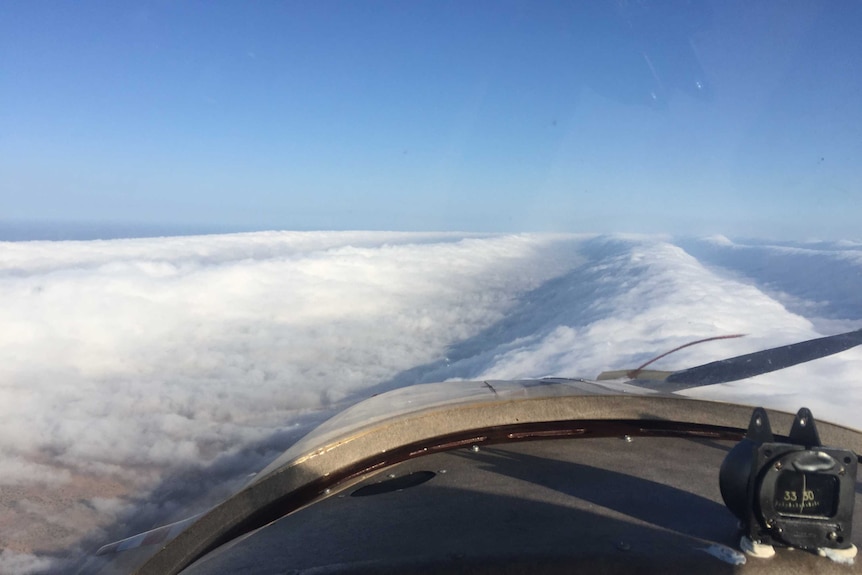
<point x="125" y="365"/>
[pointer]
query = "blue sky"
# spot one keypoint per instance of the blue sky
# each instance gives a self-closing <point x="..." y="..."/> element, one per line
<point x="712" y="117"/>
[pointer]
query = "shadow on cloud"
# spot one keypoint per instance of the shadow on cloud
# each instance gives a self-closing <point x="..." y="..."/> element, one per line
<point x="575" y="299"/>
<point x="819" y="279"/>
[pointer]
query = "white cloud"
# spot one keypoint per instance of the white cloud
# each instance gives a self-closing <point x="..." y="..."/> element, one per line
<point x="654" y="297"/>
<point x="23" y="563"/>
<point x="130" y="355"/>
<point x="126" y="363"/>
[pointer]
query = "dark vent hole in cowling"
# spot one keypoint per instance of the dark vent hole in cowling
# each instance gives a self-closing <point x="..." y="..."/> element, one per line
<point x="394" y="484"/>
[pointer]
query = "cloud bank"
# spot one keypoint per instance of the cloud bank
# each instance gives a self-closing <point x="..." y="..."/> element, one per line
<point x="126" y="365"/>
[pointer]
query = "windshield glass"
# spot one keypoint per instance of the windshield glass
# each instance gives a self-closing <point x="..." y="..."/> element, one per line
<point x="222" y="224"/>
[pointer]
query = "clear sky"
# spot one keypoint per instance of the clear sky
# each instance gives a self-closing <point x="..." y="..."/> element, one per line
<point x="704" y="117"/>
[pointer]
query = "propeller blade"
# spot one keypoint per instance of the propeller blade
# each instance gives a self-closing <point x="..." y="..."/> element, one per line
<point x="760" y="362"/>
